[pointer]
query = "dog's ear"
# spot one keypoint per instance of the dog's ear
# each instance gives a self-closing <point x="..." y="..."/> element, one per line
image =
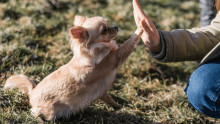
<point x="79" y="20"/>
<point x="79" y="32"/>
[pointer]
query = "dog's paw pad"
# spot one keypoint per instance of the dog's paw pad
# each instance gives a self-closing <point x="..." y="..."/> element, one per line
<point x="139" y="31"/>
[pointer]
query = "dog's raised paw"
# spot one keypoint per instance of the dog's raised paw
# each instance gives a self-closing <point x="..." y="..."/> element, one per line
<point x="139" y="31"/>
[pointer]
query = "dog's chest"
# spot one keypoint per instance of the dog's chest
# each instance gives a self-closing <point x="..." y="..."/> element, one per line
<point x="103" y="82"/>
<point x="96" y="88"/>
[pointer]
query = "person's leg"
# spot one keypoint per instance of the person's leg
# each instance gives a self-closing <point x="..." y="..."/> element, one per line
<point x="207" y="12"/>
<point x="203" y="89"/>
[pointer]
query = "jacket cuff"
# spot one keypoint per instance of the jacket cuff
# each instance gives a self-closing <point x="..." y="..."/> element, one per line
<point x="160" y="56"/>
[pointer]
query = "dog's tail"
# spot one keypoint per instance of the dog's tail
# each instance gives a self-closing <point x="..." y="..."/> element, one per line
<point x="22" y="82"/>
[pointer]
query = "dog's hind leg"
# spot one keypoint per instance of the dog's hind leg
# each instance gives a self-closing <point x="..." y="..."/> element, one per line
<point x="107" y="99"/>
<point x="45" y="113"/>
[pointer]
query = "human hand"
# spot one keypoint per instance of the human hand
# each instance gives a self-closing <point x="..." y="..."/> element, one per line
<point x="150" y="35"/>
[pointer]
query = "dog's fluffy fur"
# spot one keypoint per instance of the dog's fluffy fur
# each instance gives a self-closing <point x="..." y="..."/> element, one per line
<point x="87" y="76"/>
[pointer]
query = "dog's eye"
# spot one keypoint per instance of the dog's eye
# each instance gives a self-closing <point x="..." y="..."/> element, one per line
<point x="104" y="30"/>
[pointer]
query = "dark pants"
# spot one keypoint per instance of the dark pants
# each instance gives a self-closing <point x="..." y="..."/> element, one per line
<point x="207" y="12"/>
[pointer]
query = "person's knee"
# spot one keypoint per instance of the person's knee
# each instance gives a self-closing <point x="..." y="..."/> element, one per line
<point x="196" y="90"/>
<point x="202" y="92"/>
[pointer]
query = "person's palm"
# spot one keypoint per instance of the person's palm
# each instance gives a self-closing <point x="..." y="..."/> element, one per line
<point x="150" y="35"/>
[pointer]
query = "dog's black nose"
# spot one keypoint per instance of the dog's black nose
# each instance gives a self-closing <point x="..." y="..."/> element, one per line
<point x="115" y="27"/>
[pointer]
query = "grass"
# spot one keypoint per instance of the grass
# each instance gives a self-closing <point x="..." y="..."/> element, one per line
<point x="34" y="41"/>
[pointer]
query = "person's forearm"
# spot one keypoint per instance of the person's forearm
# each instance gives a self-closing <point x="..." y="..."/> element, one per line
<point x="184" y="45"/>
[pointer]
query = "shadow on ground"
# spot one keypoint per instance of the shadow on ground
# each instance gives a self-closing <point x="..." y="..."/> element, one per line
<point x="93" y="116"/>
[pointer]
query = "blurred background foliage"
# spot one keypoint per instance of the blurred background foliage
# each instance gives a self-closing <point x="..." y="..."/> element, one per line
<point x="34" y="40"/>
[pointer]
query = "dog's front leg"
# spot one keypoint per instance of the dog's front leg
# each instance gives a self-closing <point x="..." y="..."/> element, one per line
<point x="126" y="49"/>
<point x="107" y="99"/>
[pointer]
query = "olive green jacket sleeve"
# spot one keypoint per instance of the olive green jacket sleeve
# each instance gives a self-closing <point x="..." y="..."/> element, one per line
<point x="189" y="44"/>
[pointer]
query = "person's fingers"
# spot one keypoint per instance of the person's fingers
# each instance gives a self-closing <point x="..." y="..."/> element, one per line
<point x="140" y="13"/>
<point x="145" y="36"/>
<point x="145" y="26"/>
<point x="150" y="35"/>
<point x="138" y="10"/>
<point x="137" y="7"/>
<point x="137" y="20"/>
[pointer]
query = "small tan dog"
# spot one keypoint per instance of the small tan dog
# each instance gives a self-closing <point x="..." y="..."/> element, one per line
<point x="87" y="76"/>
